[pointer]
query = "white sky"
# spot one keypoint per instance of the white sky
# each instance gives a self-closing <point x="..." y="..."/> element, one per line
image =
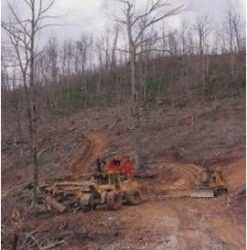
<point x="93" y="16"/>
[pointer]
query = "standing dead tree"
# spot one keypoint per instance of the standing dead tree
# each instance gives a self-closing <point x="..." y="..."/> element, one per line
<point x="142" y="38"/>
<point x="22" y="33"/>
<point x="203" y="30"/>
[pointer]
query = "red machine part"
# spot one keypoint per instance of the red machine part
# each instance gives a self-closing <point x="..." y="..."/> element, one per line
<point x="120" y="165"/>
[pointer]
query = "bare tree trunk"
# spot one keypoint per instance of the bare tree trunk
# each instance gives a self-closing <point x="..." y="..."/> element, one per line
<point x="231" y="30"/>
<point x="203" y="30"/>
<point x="141" y="23"/>
<point x="135" y="103"/>
<point x="22" y="36"/>
<point x="17" y="109"/>
<point x="33" y="131"/>
<point x="85" y="93"/>
<point x="28" y="103"/>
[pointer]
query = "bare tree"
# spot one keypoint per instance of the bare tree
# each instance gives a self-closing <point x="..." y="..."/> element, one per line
<point x="191" y="42"/>
<point x="237" y="29"/>
<point x="203" y="30"/>
<point x="52" y="54"/>
<point x="138" y="26"/>
<point x="16" y="102"/>
<point x="182" y="35"/>
<point x="22" y="33"/>
<point x="114" y="48"/>
<point x="83" y="45"/>
<point x="172" y="43"/>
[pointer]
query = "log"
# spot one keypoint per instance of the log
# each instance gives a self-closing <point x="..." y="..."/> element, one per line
<point x="52" y="245"/>
<point x="67" y="189"/>
<point x="72" y="183"/>
<point x="55" y="204"/>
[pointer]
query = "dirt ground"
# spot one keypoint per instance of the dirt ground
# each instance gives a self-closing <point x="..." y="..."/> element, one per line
<point x="160" y="222"/>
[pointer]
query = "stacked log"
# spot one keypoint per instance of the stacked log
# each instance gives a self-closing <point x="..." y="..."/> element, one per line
<point x="60" y="195"/>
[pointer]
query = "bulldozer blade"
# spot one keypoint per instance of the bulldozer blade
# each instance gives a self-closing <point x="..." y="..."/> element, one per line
<point x="202" y="193"/>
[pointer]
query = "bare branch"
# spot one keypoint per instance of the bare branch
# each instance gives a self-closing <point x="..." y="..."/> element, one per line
<point x="157" y="19"/>
<point x="18" y="20"/>
<point x="28" y="3"/>
<point x="48" y="25"/>
<point x="149" y="40"/>
<point x="155" y="6"/>
<point x="153" y="49"/>
<point x="122" y="50"/>
<point x="12" y="31"/>
<point x="43" y="11"/>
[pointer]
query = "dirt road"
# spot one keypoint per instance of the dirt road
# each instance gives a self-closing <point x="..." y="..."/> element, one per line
<point x="92" y="149"/>
<point x="173" y="224"/>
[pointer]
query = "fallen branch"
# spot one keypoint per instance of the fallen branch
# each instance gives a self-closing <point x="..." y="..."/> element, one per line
<point x="14" y="189"/>
<point x="52" y="245"/>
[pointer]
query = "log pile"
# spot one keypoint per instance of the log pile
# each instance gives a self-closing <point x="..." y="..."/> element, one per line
<point x="63" y="195"/>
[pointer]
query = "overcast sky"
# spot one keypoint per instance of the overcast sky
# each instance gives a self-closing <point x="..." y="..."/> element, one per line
<point x="93" y="16"/>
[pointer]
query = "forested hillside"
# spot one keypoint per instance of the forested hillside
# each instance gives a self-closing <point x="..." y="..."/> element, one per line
<point x="184" y="68"/>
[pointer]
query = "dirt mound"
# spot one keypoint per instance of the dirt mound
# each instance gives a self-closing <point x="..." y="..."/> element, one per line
<point x="233" y="172"/>
<point x="172" y="178"/>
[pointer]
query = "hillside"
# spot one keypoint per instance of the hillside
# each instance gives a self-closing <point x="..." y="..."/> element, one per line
<point x="171" y="146"/>
<point x="123" y="129"/>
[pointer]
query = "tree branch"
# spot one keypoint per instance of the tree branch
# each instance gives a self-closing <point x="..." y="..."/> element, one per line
<point x="157" y="19"/>
<point x="150" y="50"/>
<point x="18" y="20"/>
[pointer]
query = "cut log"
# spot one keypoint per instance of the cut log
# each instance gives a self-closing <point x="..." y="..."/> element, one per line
<point x="72" y="183"/>
<point x="53" y="203"/>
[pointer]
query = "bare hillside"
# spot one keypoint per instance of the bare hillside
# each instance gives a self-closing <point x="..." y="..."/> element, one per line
<point x="171" y="145"/>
